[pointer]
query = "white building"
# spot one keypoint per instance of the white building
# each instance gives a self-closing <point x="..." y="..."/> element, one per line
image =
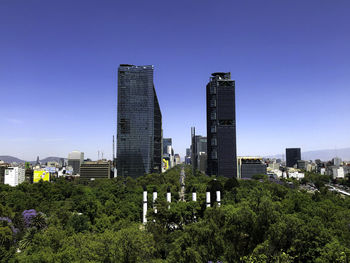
<point x="14" y="176"/>
<point x="274" y="166"/>
<point x="296" y="175"/>
<point x="338" y="172"/>
<point x="170" y="151"/>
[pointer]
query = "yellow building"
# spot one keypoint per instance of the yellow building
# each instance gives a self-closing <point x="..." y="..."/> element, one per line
<point x="165" y="165"/>
<point x="41" y="175"/>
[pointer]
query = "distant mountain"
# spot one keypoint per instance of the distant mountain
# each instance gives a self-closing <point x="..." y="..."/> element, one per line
<point x="323" y="155"/>
<point x="326" y="155"/>
<point x="51" y="159"/>
<point x="11" y="159"/>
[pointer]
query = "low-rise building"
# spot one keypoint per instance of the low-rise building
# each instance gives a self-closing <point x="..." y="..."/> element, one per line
<point x="337" y="172"/>
<point x="41" y="175"/>
<point x="302" y="165"/>
<point x="274" y="166"/>
<point x="95" y="170"/>
<point x="296" y="175"/>
<point x="52" y="164"/>
<point x="2" y="174"/>
<point x="29" y="175"/>
<point x="247" y="167"/>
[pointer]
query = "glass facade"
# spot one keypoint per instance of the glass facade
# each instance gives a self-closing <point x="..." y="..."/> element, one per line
<point x="293" y="155"/>
<point x="166" y="142"/>
<point x="221" y="126"/>
<point x="139" y="128"/>
<point x="250" y="166"/>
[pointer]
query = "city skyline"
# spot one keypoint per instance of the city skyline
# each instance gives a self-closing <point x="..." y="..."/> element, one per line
<point x="59" y="78"/>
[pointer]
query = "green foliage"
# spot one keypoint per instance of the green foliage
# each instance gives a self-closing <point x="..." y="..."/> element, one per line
<point x="260" y="177"/>
<point x="258" y="221"/>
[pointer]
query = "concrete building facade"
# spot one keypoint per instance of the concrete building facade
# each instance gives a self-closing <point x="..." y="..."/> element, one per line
<point x="95" y="170"/>
<point x="75" y="159"/>
<point x="14" y="176"/>
<point x="221" y="126"/>
<point x="247" y="167"/>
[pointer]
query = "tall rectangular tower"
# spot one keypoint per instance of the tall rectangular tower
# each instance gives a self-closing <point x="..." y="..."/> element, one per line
<point x="139" y="128"/>
<point x="221" y="126"/>
<point x="293" y="155"/>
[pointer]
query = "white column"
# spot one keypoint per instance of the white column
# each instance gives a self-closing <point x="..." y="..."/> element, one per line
<point x="218" y="197"/>
<point x="208" y="198"/>
<point x="144" y="219"/>
<point x="168" y="197"/>
<point x="194" y="197"/>
<point x="154" y="200"/>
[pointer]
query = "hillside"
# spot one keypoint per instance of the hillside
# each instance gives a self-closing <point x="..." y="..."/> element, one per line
<point x="11" y="159"/>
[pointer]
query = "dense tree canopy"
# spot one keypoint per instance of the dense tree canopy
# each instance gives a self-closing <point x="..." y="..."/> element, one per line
<point x="258" y="221"/>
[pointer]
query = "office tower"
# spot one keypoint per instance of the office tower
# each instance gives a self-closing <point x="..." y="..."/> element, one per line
<point x="293" y="155"/>
<point x="337" y="161"/>
<point x="75" y="159"/>
<point x="250" y="166"/>
<point x="95" y="170"/>
<point x="139" y="139"/>
<point x="193" y="150"/>
<point x="188" y="152"/>
<point x="166" y="142"/>
<point x="177" y="159"/>
<point x="14" y="176"/>
<point x="221" y="126"/>
<point x="199" y="155"/>
<point x="201" y="144"/>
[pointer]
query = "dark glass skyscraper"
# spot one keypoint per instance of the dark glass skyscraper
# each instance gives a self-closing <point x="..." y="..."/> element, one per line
<point x="166" y="142"/>
<point x="293" y="155"/>
<point x="221" y="126"/>
<point x="139" y="138"/>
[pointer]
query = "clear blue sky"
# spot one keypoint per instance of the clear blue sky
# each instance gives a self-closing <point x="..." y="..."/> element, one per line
<point x="59" y="59"/>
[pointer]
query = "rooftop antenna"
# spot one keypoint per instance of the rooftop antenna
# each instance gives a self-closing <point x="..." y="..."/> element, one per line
<point x="102" y="155"/>
<point x="98" y="155"/>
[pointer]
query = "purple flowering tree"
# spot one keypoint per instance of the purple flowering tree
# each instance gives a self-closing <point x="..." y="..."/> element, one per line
<point x="33" y="221"/>
<point x="9" y="222"/>
<point x="28" y="216"/>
